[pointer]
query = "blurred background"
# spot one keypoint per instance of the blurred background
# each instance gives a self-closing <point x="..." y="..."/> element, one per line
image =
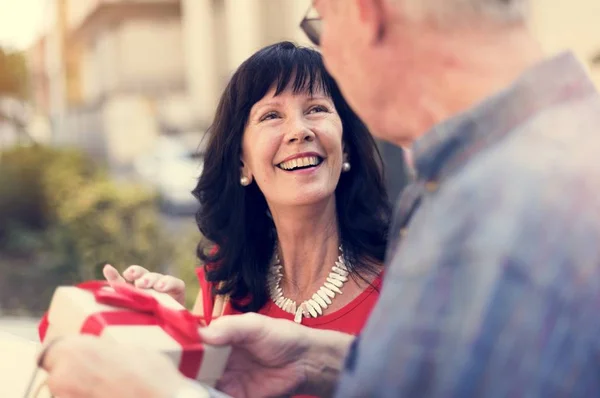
<point x="104" y="105"/>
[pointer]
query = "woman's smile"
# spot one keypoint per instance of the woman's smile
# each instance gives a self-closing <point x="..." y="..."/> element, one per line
<point x="302" y="163"/>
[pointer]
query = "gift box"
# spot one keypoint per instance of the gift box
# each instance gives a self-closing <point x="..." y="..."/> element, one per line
<point x="136" y="317"/>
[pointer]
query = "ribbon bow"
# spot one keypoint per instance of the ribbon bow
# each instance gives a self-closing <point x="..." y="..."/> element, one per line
<point x="143" y="309"/>
<point x="180" y="324"/>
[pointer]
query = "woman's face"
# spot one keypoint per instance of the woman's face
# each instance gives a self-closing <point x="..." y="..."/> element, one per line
<point x="292" y="148"/>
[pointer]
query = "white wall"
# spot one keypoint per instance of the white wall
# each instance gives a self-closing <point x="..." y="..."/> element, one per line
<point x="219" y="35"/>
<point x="569" y="24"/>
<point x="244" y="30"/>
<point x="130" y="128"/>
<point x="282" y="21"/>
<point x="56" y="73"/>
<point x="150" y="52"/>
<point x="100" y="65"/>
<point x="297" y="10"/>
<point x="106" y="61"/>
<point x="77" y="10"/>
<point x="90" y="80"/>
<point x="137" y="54"/>
<point x="202" y="45"/>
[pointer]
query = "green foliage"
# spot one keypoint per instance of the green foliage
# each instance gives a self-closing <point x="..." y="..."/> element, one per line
<point x="62" y="219"/>
<point x="185" y="262"/>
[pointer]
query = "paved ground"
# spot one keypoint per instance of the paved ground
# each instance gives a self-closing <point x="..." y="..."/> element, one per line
<point x="22" y="327"/>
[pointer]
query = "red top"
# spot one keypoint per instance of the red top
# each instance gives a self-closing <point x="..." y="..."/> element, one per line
<point x="349" y="319"/>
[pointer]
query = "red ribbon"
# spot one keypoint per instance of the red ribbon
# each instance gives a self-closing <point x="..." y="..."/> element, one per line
<point x="181" y="325"/>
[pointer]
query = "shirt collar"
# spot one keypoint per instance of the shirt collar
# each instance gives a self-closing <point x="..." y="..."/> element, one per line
<point x="449" y="144"/>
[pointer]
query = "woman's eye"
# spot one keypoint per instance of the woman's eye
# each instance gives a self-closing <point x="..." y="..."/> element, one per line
<point x="269" y="116"/>
<point x="318" y="108"/>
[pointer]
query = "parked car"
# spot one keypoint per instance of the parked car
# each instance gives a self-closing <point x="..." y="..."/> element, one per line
<point x="172" y="168"/>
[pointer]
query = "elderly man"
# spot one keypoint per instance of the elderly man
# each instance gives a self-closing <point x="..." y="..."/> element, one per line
<point x="492" y="286"/>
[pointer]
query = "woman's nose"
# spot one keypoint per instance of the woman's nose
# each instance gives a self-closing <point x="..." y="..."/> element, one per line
<point x="307" y="136"/>
<point x="299" y="132"/>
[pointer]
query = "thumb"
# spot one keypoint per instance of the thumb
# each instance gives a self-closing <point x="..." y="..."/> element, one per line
<point x="112" y="275"/>
<point x="232" y="329"/>
<point x="45" y="360"/>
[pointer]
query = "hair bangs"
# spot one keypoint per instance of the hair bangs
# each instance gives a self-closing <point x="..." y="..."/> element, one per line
<point x="303" y="73"/>
<point x="283" y="67"/>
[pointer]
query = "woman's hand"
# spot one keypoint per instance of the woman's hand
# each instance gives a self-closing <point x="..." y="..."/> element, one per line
<point x="144" y="279"/>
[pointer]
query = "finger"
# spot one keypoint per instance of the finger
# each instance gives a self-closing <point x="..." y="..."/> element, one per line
<point x="134" y="272"/>
<point x="61" y="348"/>
<point x="60" y="384"/>
<point x="172" y="286"/>
<point x="236" y="330"/>
<point x="148" y="280"/>
<point x="112" y="274"/>
<point x="55" y="384"/>
<point x="45" y="360"/>
<point x="169" y="284"/>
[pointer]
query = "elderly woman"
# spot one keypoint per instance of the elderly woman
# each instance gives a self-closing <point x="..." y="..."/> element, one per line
<point x="292" y="200"/>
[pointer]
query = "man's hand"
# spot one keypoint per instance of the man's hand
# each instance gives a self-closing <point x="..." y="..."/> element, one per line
<point x="274" y="357"/>
<point x="270" y="357"/>
<point x="88" y="367"/>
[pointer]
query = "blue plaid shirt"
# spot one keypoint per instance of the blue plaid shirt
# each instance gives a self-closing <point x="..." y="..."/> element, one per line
<point x="493" y="280"/>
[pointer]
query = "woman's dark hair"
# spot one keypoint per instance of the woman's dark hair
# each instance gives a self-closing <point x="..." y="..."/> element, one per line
<point x="235" y="218"/>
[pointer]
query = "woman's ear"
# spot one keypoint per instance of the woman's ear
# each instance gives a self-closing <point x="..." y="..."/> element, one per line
<point x="345" y="154"/>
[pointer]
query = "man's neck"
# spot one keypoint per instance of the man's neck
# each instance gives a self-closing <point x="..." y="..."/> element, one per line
<point x="488" y="66"/>
<point x="469" y="71"/>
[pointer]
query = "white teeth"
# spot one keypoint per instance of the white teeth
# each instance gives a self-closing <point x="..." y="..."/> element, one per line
<point x="300" y="162"/>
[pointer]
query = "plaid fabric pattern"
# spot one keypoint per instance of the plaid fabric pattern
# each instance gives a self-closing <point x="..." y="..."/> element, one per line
<point x="492" y="285"/>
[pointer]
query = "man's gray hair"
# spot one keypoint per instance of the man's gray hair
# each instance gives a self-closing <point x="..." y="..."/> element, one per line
<point x="502" y="11"/>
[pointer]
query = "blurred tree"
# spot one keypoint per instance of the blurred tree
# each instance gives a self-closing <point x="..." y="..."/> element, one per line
<point x="62" y="219"/>
<point x="14" y="91"/>
<point x="13" y="74"/>
<point x="185" y="262"/>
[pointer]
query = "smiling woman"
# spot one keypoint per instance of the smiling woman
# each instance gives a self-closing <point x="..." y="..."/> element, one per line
<point x="295" y="134"/>
<point x="291" y="198"/>
<point x="291" y="186"/>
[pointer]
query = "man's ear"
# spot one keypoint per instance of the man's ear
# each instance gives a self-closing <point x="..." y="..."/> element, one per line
<point x="372" y="14"/>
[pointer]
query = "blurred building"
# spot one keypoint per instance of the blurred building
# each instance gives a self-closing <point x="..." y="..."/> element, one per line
<point x="38" y="74"/>
<point x="221" y="34"/>
<point x="122" y="60"/>
<point x="38" y="123"/>
<point x="112" y="75"/>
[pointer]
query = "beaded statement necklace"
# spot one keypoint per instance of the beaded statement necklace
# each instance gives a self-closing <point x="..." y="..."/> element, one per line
<point x="320" y="300"/>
